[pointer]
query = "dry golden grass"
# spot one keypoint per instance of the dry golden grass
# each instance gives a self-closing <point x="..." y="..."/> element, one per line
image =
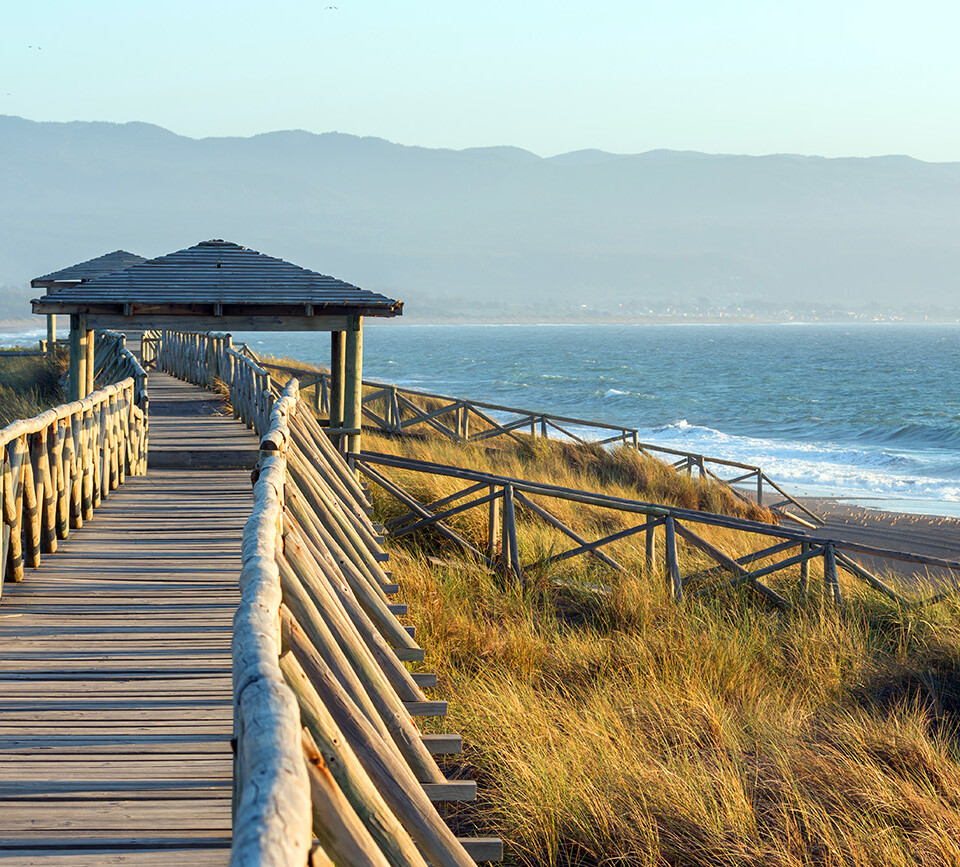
<point x="30" y="385"/>
<point x="607" y="724"/>
<point x="612" y="726"/>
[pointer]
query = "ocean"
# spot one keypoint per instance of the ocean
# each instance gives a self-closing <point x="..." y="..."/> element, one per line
<point x="866" y="411"/>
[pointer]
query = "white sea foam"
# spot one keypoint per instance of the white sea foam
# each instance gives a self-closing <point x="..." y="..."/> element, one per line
<point x="816" y="467"/>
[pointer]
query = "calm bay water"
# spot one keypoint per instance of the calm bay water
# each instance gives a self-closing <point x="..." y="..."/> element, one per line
<point x="844" y="410"/>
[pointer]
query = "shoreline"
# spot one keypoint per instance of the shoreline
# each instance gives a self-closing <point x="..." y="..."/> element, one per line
<point x="928" y="535"/>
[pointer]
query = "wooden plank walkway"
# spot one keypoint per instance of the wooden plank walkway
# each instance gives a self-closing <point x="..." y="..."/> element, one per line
<point x="115" y="690"/>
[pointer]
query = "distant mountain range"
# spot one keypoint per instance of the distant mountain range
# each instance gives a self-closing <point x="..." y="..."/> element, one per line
<point x="486" y="230"/>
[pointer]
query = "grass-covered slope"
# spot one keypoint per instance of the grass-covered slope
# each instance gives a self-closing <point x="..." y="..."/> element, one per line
<point x="608" y="725"/>
<point x="29" y="384"/>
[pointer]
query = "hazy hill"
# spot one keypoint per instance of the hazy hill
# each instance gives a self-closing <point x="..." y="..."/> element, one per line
<point x="490" y="226"/>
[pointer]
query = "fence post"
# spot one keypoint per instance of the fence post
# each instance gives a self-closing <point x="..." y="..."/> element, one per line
<point x="650" y="554"/>
<point x="831" y="581"/>
<point x="759" y="488"/>
<point x="493" y="524"/>
<point x="510" y="553"/>
<point x="673" y="567"/>
<point x="395" y="410"/>
<point x="805" y="568"/>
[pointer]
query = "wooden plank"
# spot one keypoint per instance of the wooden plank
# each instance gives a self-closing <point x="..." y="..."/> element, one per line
<point x="426" y="708"/>
<point x="91" y="853"/>
<point x="483" y="849"/>
<point x="443" y="745"/>
<point x="90" y="816"/>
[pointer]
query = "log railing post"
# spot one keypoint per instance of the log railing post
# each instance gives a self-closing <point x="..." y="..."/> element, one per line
<point x="650" y="551"/>
<point x="831" y="580"/>
<point x="675" y="585"/>
<point x="493" y="524"/>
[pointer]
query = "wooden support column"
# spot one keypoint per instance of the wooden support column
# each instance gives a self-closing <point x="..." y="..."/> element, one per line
<point x="337" y="361"/>
<point x="51" y="331"/>
<point x="78" y="356"/>
<point x="352" y="381"/>
<point x="89" y="339"/>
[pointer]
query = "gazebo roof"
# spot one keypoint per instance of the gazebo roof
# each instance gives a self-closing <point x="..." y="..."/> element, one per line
<point x="105" y="264"/>
<point x="217" y="280"/>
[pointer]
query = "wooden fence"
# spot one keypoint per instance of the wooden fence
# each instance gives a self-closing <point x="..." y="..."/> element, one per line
<point x="115" y="362"/>
<point x="324" y="707"/>
<point x="503" y="497"/>
<point x="58" y="466"/>
<point x="392" y="409"/>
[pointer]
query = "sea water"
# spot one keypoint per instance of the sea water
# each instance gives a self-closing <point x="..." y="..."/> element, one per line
<point x="863" y="410"/>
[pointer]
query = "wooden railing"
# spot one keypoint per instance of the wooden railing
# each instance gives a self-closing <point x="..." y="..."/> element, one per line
<point x="115" y="362"/>
<point x="59" y="466"/>
<point x="316" y="644"/>
<point x="396" y="410"/>
<point x="504" y="496"/>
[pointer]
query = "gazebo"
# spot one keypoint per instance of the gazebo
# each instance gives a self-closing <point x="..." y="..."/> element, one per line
<point x="220" y="286"/>
<point x="67" y="278"/>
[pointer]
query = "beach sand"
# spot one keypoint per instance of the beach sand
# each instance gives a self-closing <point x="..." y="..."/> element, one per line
<point x="928" y="535"/>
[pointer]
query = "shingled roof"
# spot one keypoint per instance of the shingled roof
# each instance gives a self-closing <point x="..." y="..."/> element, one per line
<point x="217" y="278"/>
<point x="105" y="264"/>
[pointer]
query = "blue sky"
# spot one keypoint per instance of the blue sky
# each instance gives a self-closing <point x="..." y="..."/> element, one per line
<point x="837" y="79"/>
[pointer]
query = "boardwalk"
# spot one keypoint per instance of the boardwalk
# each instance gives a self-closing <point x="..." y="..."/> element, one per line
<point x="115" y="705"/>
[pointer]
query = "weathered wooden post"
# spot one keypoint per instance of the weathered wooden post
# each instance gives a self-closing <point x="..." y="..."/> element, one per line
<point x="352" y="381"/>
<point x="650" y="553"/>
<point x="89" y="338"/>
<point x="493" y="524"/>
<point x="395" y="411"/>
<point x="804" y="568"/>
<point x="78" y="356"/>
<point x="759" y="488"/>
<point x="831" y="580"/>
<point x="337" y="365"/>
<point x="673" y="565"/>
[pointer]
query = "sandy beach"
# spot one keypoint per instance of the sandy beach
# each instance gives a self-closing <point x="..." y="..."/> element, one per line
<point x="929" y="535"/>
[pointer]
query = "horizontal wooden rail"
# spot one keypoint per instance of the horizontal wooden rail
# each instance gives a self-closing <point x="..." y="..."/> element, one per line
<point x="400" y="412"/>
<point x="676" y="522"/>
<point x="59" y="466"/>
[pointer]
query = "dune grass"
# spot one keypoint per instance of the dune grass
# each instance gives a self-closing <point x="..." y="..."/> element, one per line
<point x="30" y="385"/>
<point x="608" y="725"/>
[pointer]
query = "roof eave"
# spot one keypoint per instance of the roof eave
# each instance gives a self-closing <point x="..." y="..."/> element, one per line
<point x="52" y="304"/>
